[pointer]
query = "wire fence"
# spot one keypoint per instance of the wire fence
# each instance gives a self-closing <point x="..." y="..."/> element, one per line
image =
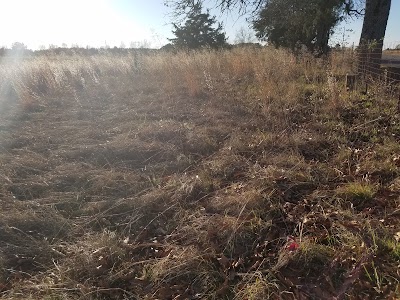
<point x="363" y="68"/>
<point x="372" y="64"/>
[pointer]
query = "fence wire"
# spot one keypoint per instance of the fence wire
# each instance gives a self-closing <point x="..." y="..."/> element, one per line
<point x="373" y="65"/>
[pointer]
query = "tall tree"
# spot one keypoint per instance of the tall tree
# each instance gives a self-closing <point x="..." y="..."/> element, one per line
<point x="297" y="24"/>
<point x="372" y="35"/>
<point x="198" y="31"/>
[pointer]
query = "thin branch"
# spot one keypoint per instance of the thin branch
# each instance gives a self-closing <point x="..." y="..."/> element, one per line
<point x="350" y="10"/>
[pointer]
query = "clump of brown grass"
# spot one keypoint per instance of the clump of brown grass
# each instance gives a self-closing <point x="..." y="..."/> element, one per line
<point x="28" y="234"/>
<point x="257" y="286"/>
<point x="182" y="270"/>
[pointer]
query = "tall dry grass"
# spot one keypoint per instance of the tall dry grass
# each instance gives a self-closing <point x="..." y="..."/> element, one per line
<point x="198" y="72"/>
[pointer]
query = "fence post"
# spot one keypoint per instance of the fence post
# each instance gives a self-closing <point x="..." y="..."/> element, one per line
<point x="350" y="82"/>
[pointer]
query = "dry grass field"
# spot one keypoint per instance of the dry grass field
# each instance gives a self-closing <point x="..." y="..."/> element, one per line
<point x="241" y="174"/>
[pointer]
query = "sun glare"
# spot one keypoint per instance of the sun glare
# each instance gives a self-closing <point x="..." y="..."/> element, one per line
<point x="89" y="22"/>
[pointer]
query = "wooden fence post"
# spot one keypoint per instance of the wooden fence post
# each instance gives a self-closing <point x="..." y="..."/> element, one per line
<point x="350" y="82"/>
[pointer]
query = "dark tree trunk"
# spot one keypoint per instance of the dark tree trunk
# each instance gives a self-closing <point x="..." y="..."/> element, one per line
<point x="372" y="35"/>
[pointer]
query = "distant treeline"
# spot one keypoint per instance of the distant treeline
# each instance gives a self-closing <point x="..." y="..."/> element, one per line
<point x="74" y="51"/>
<point x="96" y="51"/>
<point x="115" y="50"/>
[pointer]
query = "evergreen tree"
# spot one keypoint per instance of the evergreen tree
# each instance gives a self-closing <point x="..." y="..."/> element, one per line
<point x="198" y="31"/>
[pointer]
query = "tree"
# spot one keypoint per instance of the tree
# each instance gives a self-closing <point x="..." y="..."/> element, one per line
<point x="372" y="35"/>
<point x="198" y="31"/>
<point x="297" y="24"/>
<point x="18" y="47"/>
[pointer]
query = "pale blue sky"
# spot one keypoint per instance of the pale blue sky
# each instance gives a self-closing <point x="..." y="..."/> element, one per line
<point x="112" y="22"/>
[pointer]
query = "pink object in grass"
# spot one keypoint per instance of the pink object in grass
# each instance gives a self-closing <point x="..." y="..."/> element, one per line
<point x="292" y="244"/>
